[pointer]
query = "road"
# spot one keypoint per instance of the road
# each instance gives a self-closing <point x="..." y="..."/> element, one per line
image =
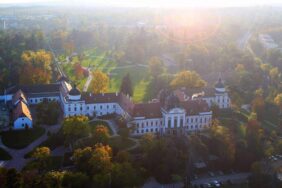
<point x="243" y="41"/>
<point x="235" y="178"/>
<point x="18" y="161"/>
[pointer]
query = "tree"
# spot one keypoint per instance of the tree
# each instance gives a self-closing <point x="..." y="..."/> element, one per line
<point x="156" y="67"/>
<point x="48" y="112"/>
<point x="100" y="161"/>
<point x="81" y="159"/>
<point x="41" y="155"/>
<point x="36" y="67"/>
<point x="101" y="134"/>
<point x="123" y="175"/>
<point x="278" y="100"/>
<point x="75" y="180"/>
<point x="13" y="179"/>
<point x="187" y="79"/>
<point x="222" y="144"/>
<point x="53" y="179"/>
<point x="126" y="86"/>
<point x="75" y="127"/>
<point x="99" y="83"/>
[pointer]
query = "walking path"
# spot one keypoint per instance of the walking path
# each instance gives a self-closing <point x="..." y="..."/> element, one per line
<point x="89" y="79"/>
<point x="18" y="161"/>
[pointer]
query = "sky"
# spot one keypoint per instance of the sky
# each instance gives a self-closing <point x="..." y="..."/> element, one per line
<point x="152" y="3"/>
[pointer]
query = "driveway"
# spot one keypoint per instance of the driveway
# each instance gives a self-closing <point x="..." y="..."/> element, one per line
<point x="18" y="161"/>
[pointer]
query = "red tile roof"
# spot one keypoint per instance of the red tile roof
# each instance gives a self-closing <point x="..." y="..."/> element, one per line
<point x="21" y="110"/>
<point x="147" y="110"/>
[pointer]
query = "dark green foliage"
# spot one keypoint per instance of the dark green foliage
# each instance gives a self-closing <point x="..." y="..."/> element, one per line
<point x="21" y="139"/>
<point x="126" y="86"/>
<point x="48" y="112"/>
<point x="4" y="155"/>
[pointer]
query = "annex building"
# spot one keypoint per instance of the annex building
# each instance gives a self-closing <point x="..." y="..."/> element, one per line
<point x="172" y="112"/>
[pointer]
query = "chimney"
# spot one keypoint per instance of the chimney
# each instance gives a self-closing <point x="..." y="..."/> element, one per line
<point x="90" y="94"/>
<point x="102" y="94"/>
<point x="116" y="93"/>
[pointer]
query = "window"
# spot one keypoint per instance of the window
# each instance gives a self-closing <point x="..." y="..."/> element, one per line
<point x="100" y="106"/>
<point x="74" y="108"/>
<point x="156" y="129"/>
<point x="81" y="108"/>
<point x="31" y="100"/>
<point x="87" y="107"/>
<point x="94" y="107"/>
<point x="114" y="106"/>
<point x="69" y="109"/>
<point x="142" y="131"/>
<point x="152" y="130"/>
<point x="137" y="131"/>
<point x="147" y="130"/>
<point x="107" y="106"/>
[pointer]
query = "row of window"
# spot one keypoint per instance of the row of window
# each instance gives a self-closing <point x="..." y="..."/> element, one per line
<point x="41" y="99"/>
<point x="156" y="129"/>
<point x="88" y="108"/>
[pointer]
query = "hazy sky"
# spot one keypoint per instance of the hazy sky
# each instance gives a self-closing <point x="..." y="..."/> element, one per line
<point x="152" y="3"/>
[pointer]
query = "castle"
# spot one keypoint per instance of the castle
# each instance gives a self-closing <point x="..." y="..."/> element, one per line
<point x="172" y="112"/>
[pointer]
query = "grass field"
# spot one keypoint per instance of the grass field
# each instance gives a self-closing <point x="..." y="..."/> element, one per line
<point x="100" y="61"/>
<point x="21" y="139"/>
<point x="4" y="155"/>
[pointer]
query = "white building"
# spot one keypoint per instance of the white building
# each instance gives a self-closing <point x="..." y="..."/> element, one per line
<point x="173" y="112"/>
<point x="22" y="116"/>
<point x="171" y="116"/>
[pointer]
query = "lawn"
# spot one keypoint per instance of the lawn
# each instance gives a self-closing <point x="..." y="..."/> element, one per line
<point x="21" y="139"/>
<point x="93" y="124"/>
<point x="100" y="61"/>
<point x="117" y="143"/>
<point x="4" y="155"/>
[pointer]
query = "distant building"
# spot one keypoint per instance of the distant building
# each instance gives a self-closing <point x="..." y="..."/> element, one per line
<point x="267" y="41"/>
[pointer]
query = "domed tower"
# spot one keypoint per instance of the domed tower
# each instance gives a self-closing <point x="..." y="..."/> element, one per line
<point x="74" y="94"/>
<point x="171" y="101"/>
<point x="219" y="86"/>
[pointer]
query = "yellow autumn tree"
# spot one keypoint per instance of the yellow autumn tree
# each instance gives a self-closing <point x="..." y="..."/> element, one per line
<point x="36" y="67"/>
<point x="187" y="79"/>
<point x="99" y="83"/>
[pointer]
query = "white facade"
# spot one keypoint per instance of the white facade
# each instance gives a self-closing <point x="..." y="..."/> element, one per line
<point x="22" y="123"/>
<point x="171" y="122"/>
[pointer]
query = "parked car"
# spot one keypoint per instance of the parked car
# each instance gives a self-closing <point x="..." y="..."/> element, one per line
<point x="216" y="183"/>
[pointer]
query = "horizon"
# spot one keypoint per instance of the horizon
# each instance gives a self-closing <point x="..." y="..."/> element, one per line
<point x="146" y="3"/>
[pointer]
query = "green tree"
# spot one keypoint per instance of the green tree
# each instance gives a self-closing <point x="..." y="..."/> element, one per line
<point x="156" y="66"/>
<point x="41" y="155"/>
<point x="126" y="85"/>
<point x="75" y="127"/>
<point x="47" y="112"/>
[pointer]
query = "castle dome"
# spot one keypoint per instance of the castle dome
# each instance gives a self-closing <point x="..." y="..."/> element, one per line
<point x="74" y="94"/>
<point x="219" y="86"/>
<point x="171" y="101"/>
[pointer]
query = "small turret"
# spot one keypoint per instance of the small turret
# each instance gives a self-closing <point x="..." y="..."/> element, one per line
<point x="219" y="86"/>
<point x="74" y="94"/>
